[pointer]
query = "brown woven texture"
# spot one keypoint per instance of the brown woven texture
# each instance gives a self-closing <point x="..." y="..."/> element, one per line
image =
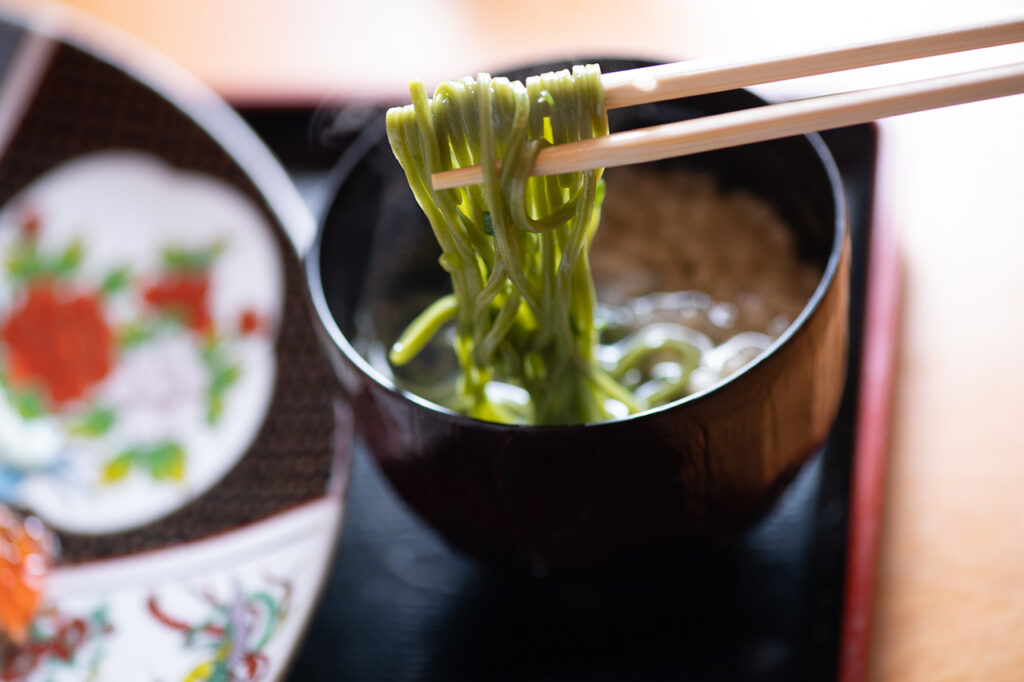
<point x="86" y="105"/>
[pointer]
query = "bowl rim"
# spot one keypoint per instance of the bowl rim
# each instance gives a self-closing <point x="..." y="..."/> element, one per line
<point x="374" y="133"/>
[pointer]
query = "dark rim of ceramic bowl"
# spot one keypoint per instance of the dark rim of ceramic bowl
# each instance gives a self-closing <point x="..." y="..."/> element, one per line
<point x="375" y="134"/>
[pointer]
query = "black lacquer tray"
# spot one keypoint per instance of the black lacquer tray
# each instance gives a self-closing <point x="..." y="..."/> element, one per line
<point x="401" y="605"/>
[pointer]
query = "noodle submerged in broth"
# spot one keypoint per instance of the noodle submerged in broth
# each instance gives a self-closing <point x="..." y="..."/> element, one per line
<point x="531" y="345"/>
<point x="726" y="270"/>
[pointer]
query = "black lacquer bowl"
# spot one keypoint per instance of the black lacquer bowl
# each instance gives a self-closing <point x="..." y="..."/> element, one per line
<point x="561" y="498"/>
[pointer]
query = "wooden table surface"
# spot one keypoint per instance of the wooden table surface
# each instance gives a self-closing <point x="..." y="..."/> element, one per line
<point x="950" y="597"/>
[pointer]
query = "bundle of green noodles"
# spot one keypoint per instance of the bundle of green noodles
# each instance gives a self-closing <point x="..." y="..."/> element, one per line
<point x="516" y="247"/>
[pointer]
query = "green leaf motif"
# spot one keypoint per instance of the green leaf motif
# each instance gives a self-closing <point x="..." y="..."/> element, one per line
<point x="115" y="280"/>
<point x="134" y="333"/>
<point x="222" y="376"/>
<point x="138" y="332"/>
<point x="68" y="259"/>
<point x="214" y="407"/>
<point x="117" y="468"/>
<point x="23" y="261"/>
<point x="29" y="404"/>
<point x="163" y="461"/>
<point x="166" y="461"/>
<point x="94" y="423"/>
<point x="180" y="258"/>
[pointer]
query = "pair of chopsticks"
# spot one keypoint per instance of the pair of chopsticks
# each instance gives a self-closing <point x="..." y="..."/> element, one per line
<point x="681" y="79"/>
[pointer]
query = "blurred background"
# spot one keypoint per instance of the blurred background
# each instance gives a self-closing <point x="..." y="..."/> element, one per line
<point x="271" y="50"/>
<point x="950" y="599"/>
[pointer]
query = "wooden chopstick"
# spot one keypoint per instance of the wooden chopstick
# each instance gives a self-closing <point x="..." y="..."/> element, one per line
<point x="762" y="123"/>
<point x="715" y="74"/>
<point x="668" y="81"/>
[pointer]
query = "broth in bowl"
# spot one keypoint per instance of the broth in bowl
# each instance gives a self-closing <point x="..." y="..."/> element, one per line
<point x="677" y="255"/>
<point x="676" y="258"/>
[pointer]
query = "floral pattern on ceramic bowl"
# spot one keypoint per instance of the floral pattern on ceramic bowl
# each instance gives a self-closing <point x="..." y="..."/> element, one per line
<point x="138" y="313"/>
<point x="231" y="608"/>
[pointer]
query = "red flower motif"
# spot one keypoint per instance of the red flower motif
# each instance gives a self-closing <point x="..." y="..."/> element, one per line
<point x="59" y="341"/>
<point x="184" y="294"/>
<point x="30" y="223"/>
<point x="23" y="567"/>
<point x="251" y="322"/>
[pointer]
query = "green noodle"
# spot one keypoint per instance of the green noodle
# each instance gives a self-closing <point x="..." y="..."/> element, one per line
<point x="516" y="247"/>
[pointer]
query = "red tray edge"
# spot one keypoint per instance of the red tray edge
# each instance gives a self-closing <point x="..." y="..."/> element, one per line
<point x="873" y="425"/>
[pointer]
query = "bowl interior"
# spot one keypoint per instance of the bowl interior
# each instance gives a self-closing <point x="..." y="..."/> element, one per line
<point x="378" y="258"/>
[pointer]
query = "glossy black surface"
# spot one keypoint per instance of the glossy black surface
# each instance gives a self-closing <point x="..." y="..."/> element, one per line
<point x="401" y="605"/>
